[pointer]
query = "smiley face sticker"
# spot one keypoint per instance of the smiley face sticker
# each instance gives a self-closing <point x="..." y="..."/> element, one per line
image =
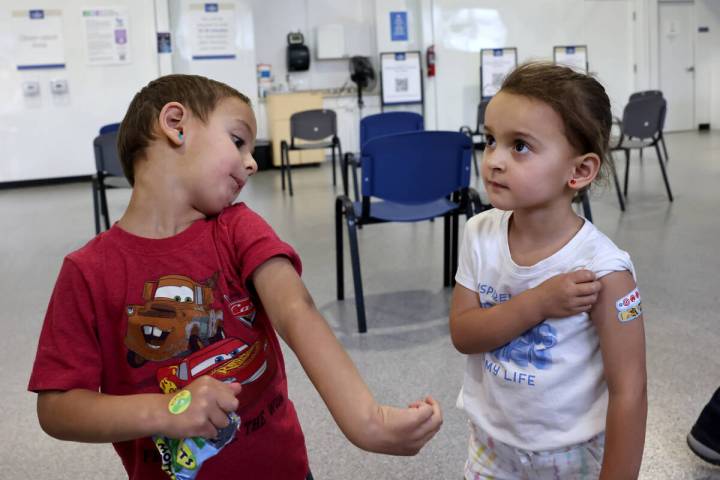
<point x="180" y="402"/>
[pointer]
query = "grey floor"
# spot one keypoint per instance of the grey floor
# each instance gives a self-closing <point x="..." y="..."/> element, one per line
<point x="407" y="352"/>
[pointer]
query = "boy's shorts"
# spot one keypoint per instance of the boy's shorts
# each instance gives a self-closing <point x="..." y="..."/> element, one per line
<point x="491" y="459"/>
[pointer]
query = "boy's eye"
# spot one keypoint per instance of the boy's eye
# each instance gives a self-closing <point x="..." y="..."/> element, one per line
<point x="489" y="140"/>
<point x="521" y="147"/>
<point x="239" y="142"/>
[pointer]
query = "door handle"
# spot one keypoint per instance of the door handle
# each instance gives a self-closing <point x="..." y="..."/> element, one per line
<point x="690" y="69"/>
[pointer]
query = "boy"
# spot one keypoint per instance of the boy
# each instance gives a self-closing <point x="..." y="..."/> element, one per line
<point x="185" y="294"/>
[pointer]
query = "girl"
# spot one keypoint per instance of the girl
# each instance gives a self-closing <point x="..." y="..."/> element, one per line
<point x="546" y="306"/>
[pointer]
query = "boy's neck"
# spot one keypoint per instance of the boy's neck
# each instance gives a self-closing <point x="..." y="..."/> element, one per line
<point x="536" y="235"/>
<point x="157" y="212"/>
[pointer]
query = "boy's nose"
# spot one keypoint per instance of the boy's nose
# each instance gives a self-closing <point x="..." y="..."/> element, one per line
<point x="251" y="165"/>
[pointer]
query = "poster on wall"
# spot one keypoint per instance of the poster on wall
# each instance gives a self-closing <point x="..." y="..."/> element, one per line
<point x="39" y="39"/>
<point x="401" y="74"/>
<point x="573" y="56"/>
<point x="398" y="27"/>
<point x="106" y="35"/>
<point x="495" y="64"/>
<point x="212" y="31"/>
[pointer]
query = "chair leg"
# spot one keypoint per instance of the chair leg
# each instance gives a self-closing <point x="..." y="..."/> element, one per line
<point x="662" y="139"/>
<point x="288" y="170"/>
<point x="357" y="277"/>
<point x="664" y="173"/>
<point x="282" y="165"/>
<point x="587" y="211"/>
<point x="641" y="156"/>
<point x="333" y="164"/>
<point x="475" y="162"/>
<point x="619" y="192"/>
<point x="446" y="251"/>
<point x="627" y="171"/>
<point x="96" y="210"/>
<point x="339" y="259"/>
<point x="453" y="249"/>
<point x="103" y="202"/>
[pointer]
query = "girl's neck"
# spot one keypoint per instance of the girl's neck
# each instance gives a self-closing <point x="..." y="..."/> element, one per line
<point x="534" y="235"/>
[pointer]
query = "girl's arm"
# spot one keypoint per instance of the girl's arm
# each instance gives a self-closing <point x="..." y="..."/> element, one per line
<point x="368" y="425"/>
<point x="474" y="329"/>
<point x="623" y="352"/>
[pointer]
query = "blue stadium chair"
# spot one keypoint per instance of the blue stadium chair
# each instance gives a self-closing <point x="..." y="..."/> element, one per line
<point x="372" y="126"/>
<point x="408" y="177"/>
<point x="109" y="172"/>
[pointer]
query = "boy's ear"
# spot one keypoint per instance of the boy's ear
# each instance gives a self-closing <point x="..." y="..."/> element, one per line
<point x="172" y="120"/>
<point x="585" y="169"/>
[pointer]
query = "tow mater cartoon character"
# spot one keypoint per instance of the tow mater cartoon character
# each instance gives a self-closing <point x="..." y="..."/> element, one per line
<point x="229" y="360"/>
<point x="175" y="320"/>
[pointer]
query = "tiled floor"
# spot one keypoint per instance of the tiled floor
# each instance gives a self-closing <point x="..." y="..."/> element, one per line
<point x="407" y="352"/>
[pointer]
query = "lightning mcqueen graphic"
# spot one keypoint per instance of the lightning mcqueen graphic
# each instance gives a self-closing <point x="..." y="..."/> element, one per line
<point x="229" y="360"/>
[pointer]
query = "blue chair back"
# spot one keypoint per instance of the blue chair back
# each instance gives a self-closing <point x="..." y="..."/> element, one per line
<point x="107" y="160"/>
<point x="389" y="123"/>
<point x="110" y="127"/>
<point x="416" y="167"/>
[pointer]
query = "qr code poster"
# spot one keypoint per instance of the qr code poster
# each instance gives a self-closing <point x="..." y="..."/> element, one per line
<point x="401" y="77"/>
<point x="495" y="64"/>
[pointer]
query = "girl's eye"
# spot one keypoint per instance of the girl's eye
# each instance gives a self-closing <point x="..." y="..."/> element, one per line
<point x="239" y="142"/>
<point x="521" y="147"/>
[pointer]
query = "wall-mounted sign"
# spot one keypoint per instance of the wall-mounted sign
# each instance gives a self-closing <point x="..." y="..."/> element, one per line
<point x="39" y="35"/>
<point x="401" y="74"/>
<point x="212" y="31"/>
<point x="573" y="56"/>
<point x="495" y="64"/>
<point x="398" y="27"/>
<point x="106" y="35"/>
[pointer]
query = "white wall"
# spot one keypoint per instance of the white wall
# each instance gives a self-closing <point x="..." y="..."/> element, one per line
<point x="51" y="136"/>
<point x="274" y="19"/>
<point x="463" y="27"/>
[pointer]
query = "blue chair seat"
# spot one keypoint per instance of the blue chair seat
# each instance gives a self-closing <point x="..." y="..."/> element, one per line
<point x="397" y="212"/>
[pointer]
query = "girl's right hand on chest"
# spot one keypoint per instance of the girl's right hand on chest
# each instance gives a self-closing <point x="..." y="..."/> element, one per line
<point x="199" y="410"/>
<point x="568" y="294"/>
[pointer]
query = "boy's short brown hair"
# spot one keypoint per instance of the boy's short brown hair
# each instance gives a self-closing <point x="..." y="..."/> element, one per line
<point x="579" y="99"/>
<point x="199" y="94"/>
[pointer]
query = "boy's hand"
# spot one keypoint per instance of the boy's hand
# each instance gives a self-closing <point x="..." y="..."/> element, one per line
<point x="406" y="430"/>
<point x="211" y="400"/>
<point x="568" y="294"/>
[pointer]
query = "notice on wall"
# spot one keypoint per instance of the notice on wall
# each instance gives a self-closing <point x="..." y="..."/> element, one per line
<point x="212" y="31"/>
<point x="106" y="35"/>
<point x="39" y="35"/>
<point x="401" y="78"/>
<point x="574" y="57"/>
<point x="495" y="64"/>
<point x="398" y="27"/>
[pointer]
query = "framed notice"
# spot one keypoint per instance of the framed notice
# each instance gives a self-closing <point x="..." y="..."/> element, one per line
<point x="212" y="31"/>
<point x="401" y="78"/>
<point x="495" y="64"/>
<point x="39" y="40"/>
<point x="106" y="35"/>
<point x="573" y="56"/>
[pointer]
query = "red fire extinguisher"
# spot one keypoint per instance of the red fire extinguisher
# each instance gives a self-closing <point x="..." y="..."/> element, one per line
<point x="430" y="57"/>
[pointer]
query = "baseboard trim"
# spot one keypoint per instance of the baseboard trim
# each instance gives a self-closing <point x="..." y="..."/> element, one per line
<point x="37" y="182"/>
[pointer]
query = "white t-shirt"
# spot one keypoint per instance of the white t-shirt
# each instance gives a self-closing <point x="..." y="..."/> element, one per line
<point x="545" y="389"/>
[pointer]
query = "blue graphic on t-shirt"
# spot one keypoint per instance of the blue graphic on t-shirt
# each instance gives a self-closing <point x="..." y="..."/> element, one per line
<point x="532" y="347"/>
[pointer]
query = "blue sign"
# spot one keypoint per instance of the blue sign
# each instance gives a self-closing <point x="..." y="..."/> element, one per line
<point x="37" y="14"/>
<point x="398" y="27"/>
<point x="570" y="50"/>
<point x="211" y="7"/>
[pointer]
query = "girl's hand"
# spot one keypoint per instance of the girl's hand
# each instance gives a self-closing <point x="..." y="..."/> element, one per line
<point x="567" y="294"/>
<point x="210" y="402"/>
<point x="406" y="430"/>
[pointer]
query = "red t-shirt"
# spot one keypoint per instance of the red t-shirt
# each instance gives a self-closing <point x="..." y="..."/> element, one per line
<point x="129" y="315"/>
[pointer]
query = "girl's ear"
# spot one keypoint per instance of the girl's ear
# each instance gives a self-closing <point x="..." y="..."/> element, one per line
<point x="172" y="120"/>
<point x="584" y="171"/>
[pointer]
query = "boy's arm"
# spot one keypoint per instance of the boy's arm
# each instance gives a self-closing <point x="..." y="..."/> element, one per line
<point x="623" y="352"/>
<point x="86" y="416"/>
<point x="474" y="329"/>
<point x="364" y="422"/>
